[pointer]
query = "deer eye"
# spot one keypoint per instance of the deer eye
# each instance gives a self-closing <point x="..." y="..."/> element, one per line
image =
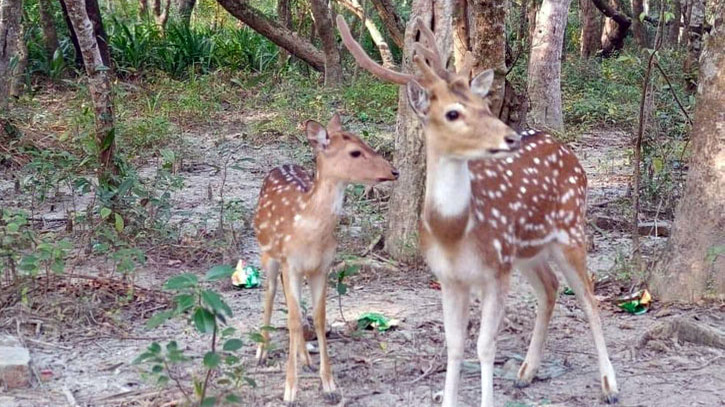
<point x="452" y="115"/>
<point x="355" y="154"/>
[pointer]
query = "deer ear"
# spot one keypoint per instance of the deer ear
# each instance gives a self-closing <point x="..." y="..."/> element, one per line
<point x="418" y="98"/>
<point x="481" y="84"/>
<point x="317" y="135"/>
<point x="334" y="125"/>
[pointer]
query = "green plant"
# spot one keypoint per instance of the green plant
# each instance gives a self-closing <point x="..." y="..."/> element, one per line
<point x="207" y="312"/>
<point x="338" y="281"/>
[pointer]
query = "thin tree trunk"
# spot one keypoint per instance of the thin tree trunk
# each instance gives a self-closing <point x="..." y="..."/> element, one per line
<point x="18" y="80"/>
<point x="94" y="14"/>
<point x="616" y="26"/>
<point x="696" y="20"/>
<point x="461" y="31"/>
<point x="673" y="34"/>
<point x="544" y="80"/>
<point x="50" y="35"/>
<point x="591" y="32"/>
<point x="161" y="13"/>
<point x="324" y="26"/>
<point x="284" y="15"/>
<point x="72" y="33"/>
<point x="185" y="8"/>
<point x="693" y="266"/>
<point x="488" y="41"/>
<point x="391" y="20"/>
<point x="276" y="33"/>
<point x="638" y="30"/>
<point x="10" y="31"/>
<point x="385" y="55"/>
<point x="99" y="86"/>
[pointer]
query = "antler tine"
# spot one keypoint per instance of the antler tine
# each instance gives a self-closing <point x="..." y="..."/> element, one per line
<point x="434" y="55"/>
<point x="467" y="65"/>
<point x="420" y="55"/>
<point x="365" y="61"/>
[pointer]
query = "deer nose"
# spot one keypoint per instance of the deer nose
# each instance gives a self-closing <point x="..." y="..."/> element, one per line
<point x="513" y="141"/>
<point x="395" y="173"/>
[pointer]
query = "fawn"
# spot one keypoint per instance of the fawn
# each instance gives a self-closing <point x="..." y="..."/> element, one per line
<point x="295" y="221"/>
<point x="494" y="201"/>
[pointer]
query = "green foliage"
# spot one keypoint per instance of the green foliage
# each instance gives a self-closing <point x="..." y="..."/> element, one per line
<point x="207" y="312"/>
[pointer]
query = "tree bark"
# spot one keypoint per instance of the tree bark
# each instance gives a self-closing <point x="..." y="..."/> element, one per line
<point x="591" y="31"/>
<point x="696" y="20"/>
<point x="50" y="35"/>
<point x="693" y="266"/>
<point x="392" y="22"/>
<point x="401" y="238"/>
<point x="461" y="31"/>
<point x="185" y="8"/>
<point x="385" y="55"/>
<point x="544" y="80"/>
<point x="324" y="27"/>
<point x="99" y="86"/>
<point x="673" y="34"/>
<point x="10" y="31"/>
<point x="616" y="26"/>
<point x="17" y="82"/>
<point x="94" y="14"/>
<point x="284" y="15"/>
<point x="72" y="33"/>
<point x="638" y="30"/>
<point x="488" y="42"/>
<point x="276" y="33"/>
<point x="161" y="13"/>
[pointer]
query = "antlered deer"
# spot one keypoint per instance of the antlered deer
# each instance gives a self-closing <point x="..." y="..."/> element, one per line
<point x="294" y="223"/>
<point x="494" y="201"/>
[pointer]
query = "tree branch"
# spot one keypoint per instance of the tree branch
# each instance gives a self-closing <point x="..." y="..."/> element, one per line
<point x="391" y="20"/>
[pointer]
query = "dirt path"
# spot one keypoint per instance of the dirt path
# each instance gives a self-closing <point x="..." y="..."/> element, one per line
<point x="405" y="366"/>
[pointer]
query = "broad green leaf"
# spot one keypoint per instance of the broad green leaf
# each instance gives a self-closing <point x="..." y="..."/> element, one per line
<point x="233" y="344"/>
<point x="184" y="302"/>
<point x="250" y="381"/>
<point x="342" y="288"/>
<point x="159" y="318"/>
<point x="212" y="360"/>
<point x="157" y="369"/>
<point x="228" y="331"/>
<point x="232" y="398"/>
<point x="216" y="302"/>
<point x="12" y="227"/>
<point x="105" y="212"/>
<point x="208" y="402"/>
<point x="118" y="222"/>
<point x="204" y="320"/>
<point x="181" y="281"/>
<point x="219" y="272"/>
<point x="231" y="360"/>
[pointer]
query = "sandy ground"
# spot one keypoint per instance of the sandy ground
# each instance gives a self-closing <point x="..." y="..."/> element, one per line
<point x="401" y="367"/>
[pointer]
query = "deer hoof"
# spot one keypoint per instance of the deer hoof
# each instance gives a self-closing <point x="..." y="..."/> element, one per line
<point x="611" y="398"/>
<point x="332" y="397"/>
<point x="521" y="383"/>
<point x="292" y="404"/>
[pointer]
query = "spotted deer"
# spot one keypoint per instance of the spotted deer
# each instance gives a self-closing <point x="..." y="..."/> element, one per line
<point x="295" y="221"/>
<point x="494" y="201"/>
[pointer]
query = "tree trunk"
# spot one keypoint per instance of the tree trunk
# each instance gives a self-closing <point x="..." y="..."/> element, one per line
<point x="694" y="263"/>
<point x="638" y="30"/>
<point x="591" y="33"/>
<point x="488" y="41"/>
<point x="284" y="15"/>
<point x="673" y="34"/>
<point x="544" y="83"/>
<point x="185" y="8"/>
<point x="10" y="31"/>
<point x="392" y="22"/>
<point x="616" y="26"/>
<point x="161" y="13"/>
<point x="385" y="55"/>
<point x="143" y="9"/>
<point x="276" y="33"/>
<point x="401" y="239"/>
<point x="17" y="82"/>
<point x="325" y="29"/>
<point x="72" y="33"/>
<point x="94" y="14"/>
<point x="50" y="36"/>
<point x="461" y="31"/>
<point x="99" y="86"/>
<point x="696" y="20"/>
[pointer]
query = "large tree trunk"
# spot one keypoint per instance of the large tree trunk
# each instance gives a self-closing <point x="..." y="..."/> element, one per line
<point x="94" y="14"/>
<point x="324" y="26"/>
<point x="673" y="34"/>
<point x="401" y="239"/>
<point x="616" y="26"/>
<point x="11" y="12"/>
<point x="284" y="15"/>
<point x="638" y="30"/>
<point x="276" y="33"/>
<point x="385" y="55"/>
<point x="99" y="86"/>
<point x="185" y="8"/>
<point x="50" y="35"/>
<point x="544" y="81"/>
<point x="591" y="33"/>
<point x="694" y="263"/>
<point x="72" y="34"/>
<point x="488" y="43"/>
<point x="461" y="31"/>
<point x="696" y="21"/>
<point x="391" y="20"/>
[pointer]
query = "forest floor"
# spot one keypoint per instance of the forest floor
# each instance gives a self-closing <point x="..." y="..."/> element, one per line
<point x="83" y="357"/>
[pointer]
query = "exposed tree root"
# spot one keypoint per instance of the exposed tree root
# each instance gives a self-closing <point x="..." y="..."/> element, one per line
<point x="686" y="330"/>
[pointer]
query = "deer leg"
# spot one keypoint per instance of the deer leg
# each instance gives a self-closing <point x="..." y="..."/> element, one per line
<point x="271" y="267"/>
<point x="318" y="286"/>
<point x="456" y="299"/>
<point x="572" y="262"/>
<point x="545" y="284"/>
<point x="302" y="351"/>
<point x="492" y="311"/>
<point x="292" y="282"/>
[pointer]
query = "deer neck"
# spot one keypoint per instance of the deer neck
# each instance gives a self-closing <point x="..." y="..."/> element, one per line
<point x="325" y="199"/>
<point x="446" y="209"/>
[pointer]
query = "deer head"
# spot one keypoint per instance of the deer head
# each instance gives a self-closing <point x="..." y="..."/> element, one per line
<point x="455" y="112"/>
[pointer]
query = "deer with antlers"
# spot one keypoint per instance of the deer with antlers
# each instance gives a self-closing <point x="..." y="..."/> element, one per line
<point x="494" y="201"/>
<point x="295" y="221"/>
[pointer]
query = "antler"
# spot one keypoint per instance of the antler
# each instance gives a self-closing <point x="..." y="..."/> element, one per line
<point x="365" y="61"/>
<point x="429" y="48"/>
